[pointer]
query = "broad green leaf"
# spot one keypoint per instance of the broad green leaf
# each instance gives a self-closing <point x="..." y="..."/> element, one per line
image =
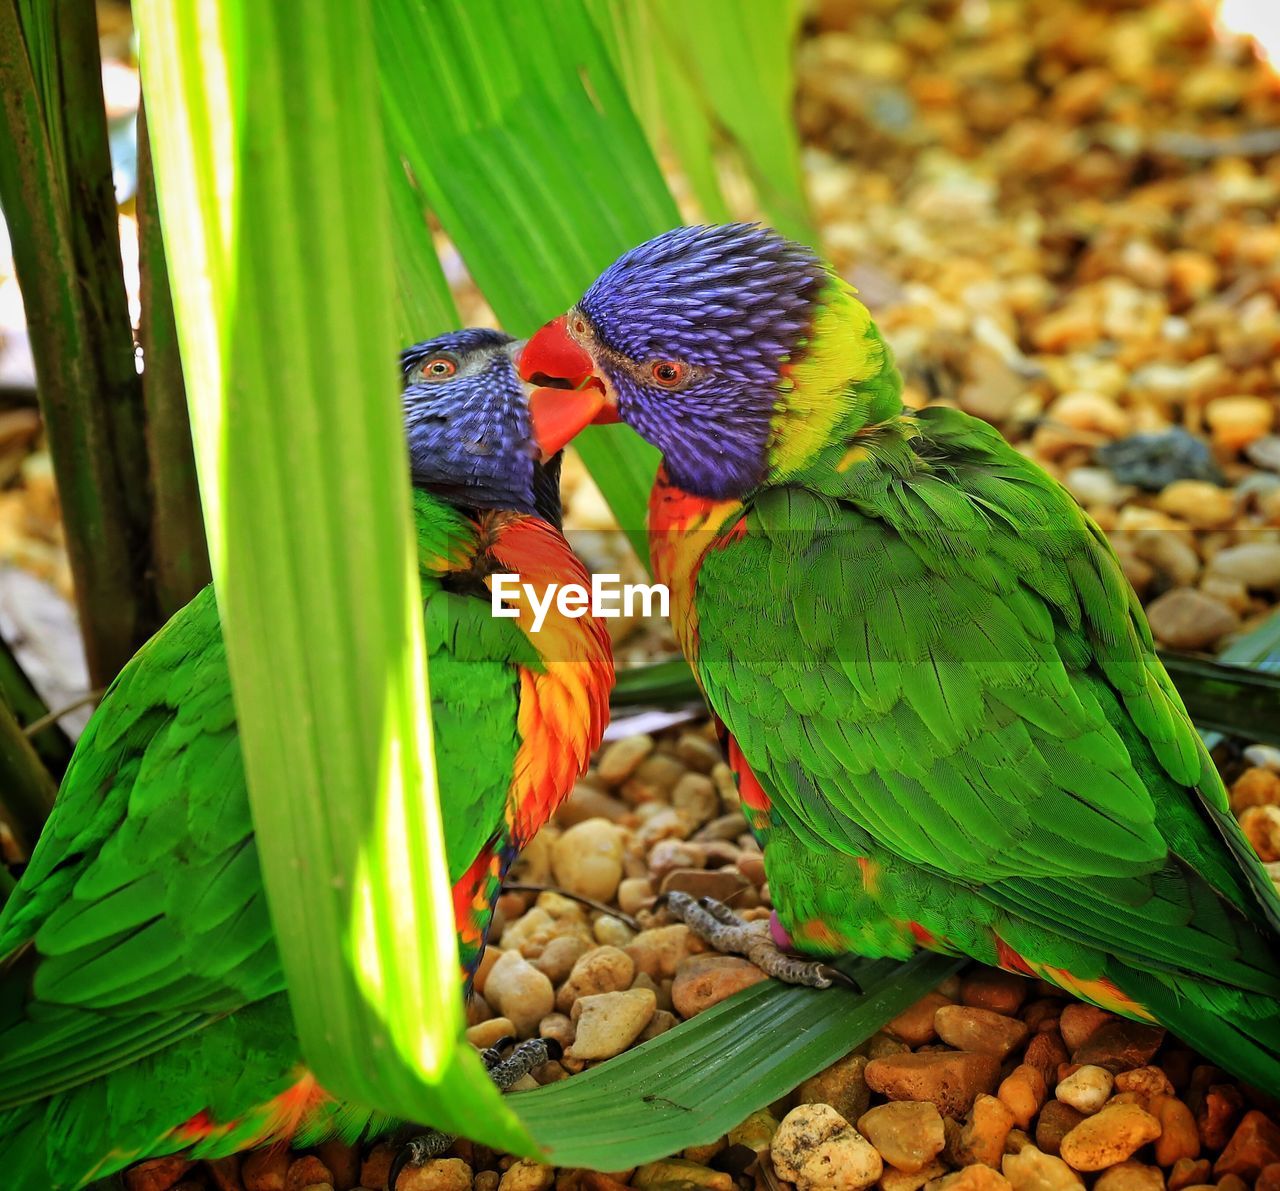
<point x="691" y="1084"/>
<point x="1258" y="650"/>
<point x="426" y="306"/>
<point x="513" y="120"/>
<point x="740" y="60"/>
<point x="272" y="181"/>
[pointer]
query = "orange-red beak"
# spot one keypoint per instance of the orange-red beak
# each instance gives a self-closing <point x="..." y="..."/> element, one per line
<point x="560" y="412"/>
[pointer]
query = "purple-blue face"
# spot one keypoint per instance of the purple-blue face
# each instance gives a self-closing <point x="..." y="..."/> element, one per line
<point x="689" y="332"/>
<point x="471" y="436"/>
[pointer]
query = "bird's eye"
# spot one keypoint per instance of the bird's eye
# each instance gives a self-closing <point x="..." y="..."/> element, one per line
<point x="438" y="368"/>
<point x="579" y="327"/>
<point x="668" y="373"/>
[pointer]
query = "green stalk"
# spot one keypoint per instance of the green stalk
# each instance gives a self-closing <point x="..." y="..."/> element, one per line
<point x="180" y="555"/>
<point x="272" y="179"/>
<point x="55" y="186"/>
<point x="50" y="742"/>
<point x="26" y="789"/>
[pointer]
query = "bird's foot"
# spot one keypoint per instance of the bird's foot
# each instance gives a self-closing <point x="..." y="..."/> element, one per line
<point x="526" y="1057"/>
<point x="714" y="923"/>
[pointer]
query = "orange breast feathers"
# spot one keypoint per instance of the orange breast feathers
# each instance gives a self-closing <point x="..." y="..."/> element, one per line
<point x="682" y="528"/>
<point x="564" y="709"/>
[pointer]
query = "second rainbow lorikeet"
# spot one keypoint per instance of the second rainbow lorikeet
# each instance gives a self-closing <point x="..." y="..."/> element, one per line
<point x="938" y="691"/>
<point x="143" y="1009"/>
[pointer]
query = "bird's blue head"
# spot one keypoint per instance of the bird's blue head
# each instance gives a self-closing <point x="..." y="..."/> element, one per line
<point x="477" y="437"/>
<point x="722" y="346"/>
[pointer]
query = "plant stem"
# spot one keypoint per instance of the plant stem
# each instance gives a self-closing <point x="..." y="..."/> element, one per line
<point x="55" y="185"/>
<point x="180" y="553"/>
<point x="16" y="690"/>
<point x="28" y="790"/>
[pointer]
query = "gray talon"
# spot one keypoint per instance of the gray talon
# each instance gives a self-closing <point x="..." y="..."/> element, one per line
<point x="416" y="1151"/>
<point x="713" y="922"/>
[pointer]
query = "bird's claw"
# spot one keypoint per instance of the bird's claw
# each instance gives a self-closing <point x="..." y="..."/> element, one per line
<point x="504" y="1071"/>
<point x="714" y="923"/>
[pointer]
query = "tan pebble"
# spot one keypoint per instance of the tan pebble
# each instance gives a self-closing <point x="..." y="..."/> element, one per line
<point x="705" y="980"/>
<point x="659" y="951"/>
<point x="898" y="1180"/>
<point x="983" y="1136"/>
<point x="265" y="1170"/>
<point x="586" y="802"/>
<point x="1108" y="1137"/>
<point x="722" y="884"/>
<point x="634" y="893"/>
<point x="1023" y="1092"/>
<point x="1087" y="1088"/>
<point x="343" y="1161"/>
<point x="534" y="862"/>
<point x="990" y="988"/>
<point x="226" y="1174"/>
<point x="307" y="1171"/>
<point x="756" y="1132"/>
<point x="665" y="823"/>
<point x="1255" y="564"/>
<point x="726" y="785"/>
<point x="843" y="1086"/>
<point x="1045" y="1052"/>
<point x="1238" y="421"/>
<point x="704" y="1153"/>
<point x="914" y="1025"/>
<point x="1198" y="503"/>
<point x="1261" y="827"/>
<point x="486" y="1180"/>
<point x="949" y="1079"/>
<point x="559" y="957"/>
<point x="557" y="1027"/>
<point x="1217" y="1115"/>
<point x="611" y="931"/>
<point x="751" y="866"/>
<point x="1090" y="411"/>
<point x="981" y="1030"/>
<point x="436" y="1174"/>
<point x="1255" y="787"/>
<point x="607" y="1023"/>
<point x="1189" y="1172"/>
<point x="1269" y="1179"/>
<point x="661" y="772"/>
<point x="486" y="1033"/>
<point x="377" y="1166"/>
<point x="1148" y="1082"/>
<point x="587" y="859"/>
<point x="1175" y="558"/>
<point x="1232" y="1182"/>
<point x="1056" y="1120"/>
<point x="907" y="1135"/>
<point x="661" y="1021"/>
<point x="159" y="1174"/>
<point x="606" y="969"/>
<point x="697" y="752"/>
<point x="620" y="759"/>
<point x="1254" y="1144"/>
<point x="1184" y="618"/>
<point x="672" y="855"/>
<point x="818" y="1150"/>
<point x="1179" y="1139"/>
<point x="971" y="1178"/>
<point x="1078" y="1021"/>
<point x="1031" y="1169"/>
<point x="519" y="992"/>
<point x="1120" y="1045"/>
<point x="728" y="827"/>
<point x="882" y="1046"/>
<point x="528" y="1176"/>
<point x="1093" y="486"/>
<point x="1130" y="1176"/>
<point x="695" y="796"/>
<point x="679" y="1172"/>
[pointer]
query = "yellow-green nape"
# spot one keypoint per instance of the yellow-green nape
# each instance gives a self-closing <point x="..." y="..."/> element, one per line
<point x="825" y="396"/>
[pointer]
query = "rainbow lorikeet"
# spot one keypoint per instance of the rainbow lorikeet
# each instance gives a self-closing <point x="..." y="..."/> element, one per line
<point x="940" y="695"/>
<point x="143" y="1009"/>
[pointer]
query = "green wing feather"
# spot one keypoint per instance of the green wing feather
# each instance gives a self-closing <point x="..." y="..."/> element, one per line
<point x="137" y="964"/>
<point x="979" y="709"/>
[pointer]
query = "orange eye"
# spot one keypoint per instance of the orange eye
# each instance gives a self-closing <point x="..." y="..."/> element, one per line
<point x="439" y="368"/>
<point x="668" y="373"/>
<point x="579" y="327"/>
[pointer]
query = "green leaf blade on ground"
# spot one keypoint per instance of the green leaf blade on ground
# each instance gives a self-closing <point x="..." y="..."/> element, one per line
<point x="692" y="1084"/>
<point x="272" y="179"/>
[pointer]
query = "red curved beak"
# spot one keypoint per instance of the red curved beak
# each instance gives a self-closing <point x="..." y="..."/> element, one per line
<point x="560" y="412"/>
